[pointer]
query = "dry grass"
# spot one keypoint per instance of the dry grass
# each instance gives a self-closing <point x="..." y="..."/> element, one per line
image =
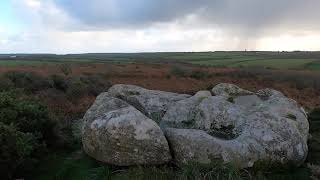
<point x="159" y="76"/>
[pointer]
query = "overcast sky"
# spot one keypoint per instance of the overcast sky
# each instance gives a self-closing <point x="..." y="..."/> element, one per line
<point x="80" y="26"/>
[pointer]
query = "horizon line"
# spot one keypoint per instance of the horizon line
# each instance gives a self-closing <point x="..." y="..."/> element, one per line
<point x="146" y="52"/>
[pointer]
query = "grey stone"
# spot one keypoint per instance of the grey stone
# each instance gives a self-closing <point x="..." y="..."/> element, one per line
<point x="225" y="89"/>
<point x="150" y="102"/>
<point x="235" y="125"/>
<point x="250" y="128"/>
<point x="116" y="133"/>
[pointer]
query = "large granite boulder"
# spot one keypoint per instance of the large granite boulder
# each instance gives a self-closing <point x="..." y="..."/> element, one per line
<point x="238" y="126"/>
<point x="150" y="102"/>
<point x="229" y="124"/>
<point x="116" y="133"/>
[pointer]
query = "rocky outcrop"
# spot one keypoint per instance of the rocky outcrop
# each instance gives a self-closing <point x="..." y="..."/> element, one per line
<point x="233" y="125"/>
<point x="115" y="132"/>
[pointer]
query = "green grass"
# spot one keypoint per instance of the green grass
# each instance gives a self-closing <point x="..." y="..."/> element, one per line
<point x="23" y="62"/>
<point x="315" y="65"/>
<point x="78" y="166"/>
<point x="277" y="60"/>
<point x="220" y="62"/>
<point x="72" y="166"/>
<point x="273" y="60"/>
<point x="275" y="63"/>
<point x="268" y="63"/>
<point x="53" y="62"/>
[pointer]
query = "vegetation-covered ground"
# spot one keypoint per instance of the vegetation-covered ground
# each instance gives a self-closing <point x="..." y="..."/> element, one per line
<point x="41" y="104"/>
<point x="275" y="60"/>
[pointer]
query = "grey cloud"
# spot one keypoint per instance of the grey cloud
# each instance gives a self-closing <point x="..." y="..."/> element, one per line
<point x="124" y="13"/>
<point x="246" y="14"/>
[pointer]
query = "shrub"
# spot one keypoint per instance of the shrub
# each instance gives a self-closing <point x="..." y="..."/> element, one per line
<point x="76" y="89"/>
<point x="96" y="84"/>
<point x="5" y="84"/>
<point x="16" y="150"/>
<point x="314" y="141"/>
<point x="86" y="85"/>
<point x="178" y="71"/>
<point x="25" y="129"/>
<point x="27" y="115"/>
<point x="65" y="69"/>
<point x="199" y="74"/>
<point x="29" y="81"/>
<point x="58" y="82"/>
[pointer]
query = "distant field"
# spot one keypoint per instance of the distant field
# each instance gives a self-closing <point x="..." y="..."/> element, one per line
<point x="275" y="60"/>
<point x="21" y="62"/>
<point x="268" y="60"/>
<point x="48" y="62"/>
<point x="315" y="65"/>
<point x="277" y="63"/>
<point x="269" y="63"/>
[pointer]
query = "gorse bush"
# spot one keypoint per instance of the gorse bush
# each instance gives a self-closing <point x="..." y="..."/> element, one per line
<point x="25" y="127"/>
<point x="28" y="130"/>
<point x="29" y="81"/>
<point x="26" y="115"/>
<point x="16" y="150"/>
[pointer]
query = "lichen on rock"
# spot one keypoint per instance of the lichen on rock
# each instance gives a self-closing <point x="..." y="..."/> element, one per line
<point x="234" y="125"/>
<point x="115" y="132"/>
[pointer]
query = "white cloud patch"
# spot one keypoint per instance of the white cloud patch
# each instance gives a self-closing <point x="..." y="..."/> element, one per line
<point x="35" y="4"/>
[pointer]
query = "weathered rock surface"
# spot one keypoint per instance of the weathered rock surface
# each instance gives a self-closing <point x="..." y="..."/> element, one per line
<point x="150" y="102"/>
<point x="249" y="128"/>
<point x="115" y="132"/>
<point x="234" y="125"/>
<point x="183" y="113"/>
<point x="225" y="89"/>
